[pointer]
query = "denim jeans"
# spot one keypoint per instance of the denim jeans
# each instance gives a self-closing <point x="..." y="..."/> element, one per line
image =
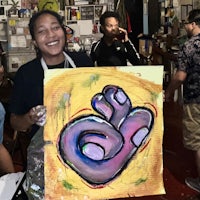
<point x="2" y="117"/>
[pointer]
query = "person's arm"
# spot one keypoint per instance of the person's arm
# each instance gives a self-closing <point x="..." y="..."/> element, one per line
<point x="92" y="53"/>
<point x="6" y="164"/>
<point x="175" y="83"/>
<point x="21" y="122"/>
<point x="36" y="115"/>
<point x="131" y="53"/>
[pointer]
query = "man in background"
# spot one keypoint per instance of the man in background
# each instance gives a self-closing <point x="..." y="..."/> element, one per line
<point x="114" y="48"/>
<point x="188" y="74"/>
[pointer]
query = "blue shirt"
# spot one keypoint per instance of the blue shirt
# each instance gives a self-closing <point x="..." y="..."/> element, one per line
<point x="2" y="117"/>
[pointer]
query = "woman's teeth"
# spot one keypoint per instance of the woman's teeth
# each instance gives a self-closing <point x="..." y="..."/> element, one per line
<point x="52" y="43"/>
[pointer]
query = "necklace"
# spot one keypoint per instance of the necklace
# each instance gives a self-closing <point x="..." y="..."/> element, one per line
<point x="68" y="61"/>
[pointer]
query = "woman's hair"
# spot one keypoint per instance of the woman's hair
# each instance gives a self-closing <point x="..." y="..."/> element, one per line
<point x="33" y="22"/>
<point x="109" y="14"/>
<point x="194" y="16"/>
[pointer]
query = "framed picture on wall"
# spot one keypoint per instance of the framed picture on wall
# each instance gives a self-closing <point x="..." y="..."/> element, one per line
<point x="2" y="11"/>
<point x="196" y="4"/>
<point x="4" y="3"/>
<point x="185" y="9"/>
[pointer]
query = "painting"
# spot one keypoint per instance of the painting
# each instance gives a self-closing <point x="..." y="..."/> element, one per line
<point x="104" y="131"/>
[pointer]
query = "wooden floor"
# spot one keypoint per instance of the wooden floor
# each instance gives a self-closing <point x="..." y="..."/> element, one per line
<point x="178" y="162"/>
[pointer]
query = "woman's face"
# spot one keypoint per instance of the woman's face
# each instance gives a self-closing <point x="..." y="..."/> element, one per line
<point x="49" y="36"/>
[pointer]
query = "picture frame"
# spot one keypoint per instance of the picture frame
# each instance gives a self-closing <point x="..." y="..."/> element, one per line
<point x="4" y="3"/>
<point x="2" y="11"/>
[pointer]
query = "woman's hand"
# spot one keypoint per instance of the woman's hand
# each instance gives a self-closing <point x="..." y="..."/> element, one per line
<point x="125" y="33"/>
<point x="37" y="115"/>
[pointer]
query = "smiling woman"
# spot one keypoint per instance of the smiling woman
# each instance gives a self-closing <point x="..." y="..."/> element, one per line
<point x="49" y="38"/>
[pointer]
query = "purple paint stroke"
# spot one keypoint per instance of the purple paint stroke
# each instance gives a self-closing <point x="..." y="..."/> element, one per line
<point x="97" y="149"/>
<point x="115" y="98"/>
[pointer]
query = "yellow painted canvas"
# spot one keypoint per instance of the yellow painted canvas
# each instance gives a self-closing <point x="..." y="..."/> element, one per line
<point x="104" y="132"/>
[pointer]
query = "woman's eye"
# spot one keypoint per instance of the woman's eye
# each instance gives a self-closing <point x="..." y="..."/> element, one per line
<point x="56" y="28"/>
<point x="41" y="31"/>
<point x="45" y="31"/>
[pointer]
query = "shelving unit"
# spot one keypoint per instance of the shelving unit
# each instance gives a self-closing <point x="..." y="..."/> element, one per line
<point x="19" y="49"/>
<point x="84" y="12"/>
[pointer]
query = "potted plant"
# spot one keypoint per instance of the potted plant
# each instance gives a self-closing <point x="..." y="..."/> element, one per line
<point x="13" y="11"/>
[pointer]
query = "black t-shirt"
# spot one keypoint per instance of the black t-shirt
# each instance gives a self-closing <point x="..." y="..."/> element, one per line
<point x="28" y="85"/>
<point x="61" y="65"/>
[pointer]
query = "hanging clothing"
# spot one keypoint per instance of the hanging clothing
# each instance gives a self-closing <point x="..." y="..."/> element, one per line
<point x="121" y="10"/>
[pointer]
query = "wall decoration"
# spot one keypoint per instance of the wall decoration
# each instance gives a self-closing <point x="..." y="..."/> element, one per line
<point x="2" y="11"/>
<point x="4" y="3"/>
<point x="48" y="5"/>
<point x="103" y="136"/>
